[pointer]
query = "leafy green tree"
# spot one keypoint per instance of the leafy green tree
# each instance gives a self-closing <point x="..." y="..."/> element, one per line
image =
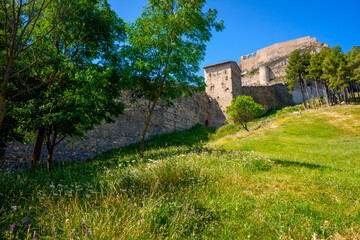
<point x="354" y="66"/>
<point x="314" y="71"/>
<point x="81" y="77"/>
<point x="295" y="73"/>
<point x="165" y="48"/>
<point x="19" y="21"/>
<point x="336" y="72"/>
<point x="83" y="98"/>
<point x="242" y="110"/>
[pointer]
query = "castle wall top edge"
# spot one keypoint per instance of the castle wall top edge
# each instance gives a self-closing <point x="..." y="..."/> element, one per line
<point x="282" y="43"/>
<point x="218" y="64"/>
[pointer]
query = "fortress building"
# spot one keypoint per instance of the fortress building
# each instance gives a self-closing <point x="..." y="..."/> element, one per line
<point x="259" y="75"/>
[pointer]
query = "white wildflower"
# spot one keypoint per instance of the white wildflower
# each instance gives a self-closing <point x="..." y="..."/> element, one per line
<point x="52" y="186"/>
<point x="14" y="208"/>
<point x="88" y="195"/>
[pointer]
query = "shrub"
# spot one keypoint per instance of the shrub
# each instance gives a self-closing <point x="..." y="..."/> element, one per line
<point x="242" y="110"/>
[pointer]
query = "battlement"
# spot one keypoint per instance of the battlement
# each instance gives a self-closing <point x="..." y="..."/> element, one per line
<point x="275" y="51"/>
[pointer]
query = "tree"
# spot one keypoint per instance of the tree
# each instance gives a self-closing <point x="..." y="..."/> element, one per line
<point x="242" y="110"/>
<point x="85" y="97"/>
<point x="80" y="76"/>
<point x="295" y="73"/>
<point x="335" y="71"/>
<point x="19" y="23"/>
<point x="314" y="71"/>
<point x="165" y="48"/>
<point x="354" y="66"/>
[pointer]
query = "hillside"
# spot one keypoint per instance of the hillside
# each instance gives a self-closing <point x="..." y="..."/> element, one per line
<point x="294" y="176"/>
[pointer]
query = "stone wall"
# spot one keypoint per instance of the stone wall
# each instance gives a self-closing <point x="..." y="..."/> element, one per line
<point x="276" y="51"/>
<point x="272" y="96"/>
<point x="297" y="95"/>
<point x="184" y="114"/>
<point x="251" y="79"/>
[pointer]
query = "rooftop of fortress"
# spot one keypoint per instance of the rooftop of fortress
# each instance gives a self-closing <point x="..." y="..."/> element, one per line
<point x="219" y="64"/>
<point x="277" y="51"/>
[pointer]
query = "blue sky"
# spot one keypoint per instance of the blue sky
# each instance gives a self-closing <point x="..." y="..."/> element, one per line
<point x="254" y="24"/>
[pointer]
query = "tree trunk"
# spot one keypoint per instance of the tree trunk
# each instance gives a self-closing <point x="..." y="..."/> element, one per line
<point x="318" y="93"/>
<point x="3" y="90"/>
<point x="308" y="95"/>
<point x="50" y="146"/>
<point x="2" y="108"/>
<point x="353" y="91"/>
<point x="312" y="96"/>
<point x="334" y="97"/>
<point x="326" y="93"/>
<point x="246" y="128"/>
<point x="344" y="94"/>
<point x="142" y="141"/>
<point x="148" y="119"/>
<point x="37" y="149"/>
<point x="338" y="97"/>
<point x="302" y="93"/>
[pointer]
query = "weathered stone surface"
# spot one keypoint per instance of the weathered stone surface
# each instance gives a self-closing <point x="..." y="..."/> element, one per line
<point x="184" y="114"/>
<point x="223" y="83"/>
<point x="277" y="51"/>
<point x="272" y="96"/>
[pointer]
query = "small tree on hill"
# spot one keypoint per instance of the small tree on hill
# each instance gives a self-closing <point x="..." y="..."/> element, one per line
<point x="242" y="110"/>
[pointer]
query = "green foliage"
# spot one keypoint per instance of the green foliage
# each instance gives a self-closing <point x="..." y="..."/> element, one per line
<point x="314" y="70"/>
<point x="242" y="110"/>
<point x="354" y="63"/>
<point x="78" y="81"/>
<point x="295" y="71"/>
<point x="164" y="51"/>
<point x="166" y="46"/>
<point x="334" y="68"/>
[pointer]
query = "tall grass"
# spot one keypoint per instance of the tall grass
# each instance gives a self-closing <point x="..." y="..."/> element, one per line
<point x="191" y="187"/>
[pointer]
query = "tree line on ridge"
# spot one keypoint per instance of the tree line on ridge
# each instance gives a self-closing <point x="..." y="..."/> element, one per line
<point x="336" y="73"/>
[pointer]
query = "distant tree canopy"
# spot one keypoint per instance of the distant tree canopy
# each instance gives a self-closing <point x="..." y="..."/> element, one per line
<point x="337" y="74"/>
<point x="242" y="110"/>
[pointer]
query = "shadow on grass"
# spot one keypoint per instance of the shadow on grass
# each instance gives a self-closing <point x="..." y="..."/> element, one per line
<point x="287" y="163"/>
<point x="187" y="138"/>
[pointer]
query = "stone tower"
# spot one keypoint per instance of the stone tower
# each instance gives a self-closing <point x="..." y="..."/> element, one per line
<point x="264" y="75"/>
<point x="223" y="83"/>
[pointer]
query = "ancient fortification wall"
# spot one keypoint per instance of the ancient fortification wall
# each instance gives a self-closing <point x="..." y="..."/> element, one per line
<point x="224" y="82"/>
<point x="184" y="114"/>
<point x="273" y="96"/>
<point x="278" y="50"/>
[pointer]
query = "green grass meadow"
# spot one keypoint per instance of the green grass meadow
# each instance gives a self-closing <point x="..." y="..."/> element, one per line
<point x="295" y="175"/>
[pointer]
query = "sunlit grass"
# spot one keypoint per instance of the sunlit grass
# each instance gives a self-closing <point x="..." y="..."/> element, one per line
<point x="187" y="187"/>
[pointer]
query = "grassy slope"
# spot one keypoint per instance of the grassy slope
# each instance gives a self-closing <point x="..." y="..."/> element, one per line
<point x="329" y="137"/>
<point x="317" y="155"/>
<point x="188" y="187"/>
